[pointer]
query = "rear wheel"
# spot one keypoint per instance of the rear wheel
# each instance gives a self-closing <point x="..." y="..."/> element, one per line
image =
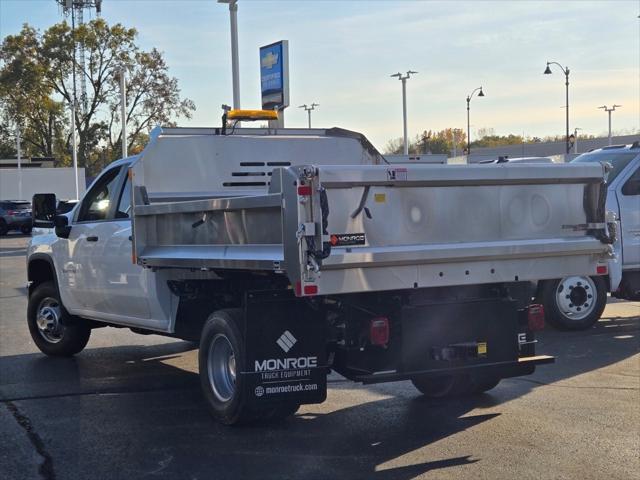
<point x="3" y="227"/>
<point x="451" y="386"/>
<point x="221" y="358"/>
<point x="54" y="331"/>
<point x="574" y="303"/>
<point x="26" y="230"/>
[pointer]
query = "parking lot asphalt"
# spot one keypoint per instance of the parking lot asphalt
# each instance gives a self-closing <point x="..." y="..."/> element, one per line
<point x="129" y="406"/>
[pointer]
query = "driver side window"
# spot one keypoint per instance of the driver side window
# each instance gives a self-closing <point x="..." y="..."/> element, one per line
<point x="95" y="206"/>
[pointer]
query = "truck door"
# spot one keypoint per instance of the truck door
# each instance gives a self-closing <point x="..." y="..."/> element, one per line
<point x="127" y="282"/>
<point x="82" y="273"/>
<point x="629" y="201"/>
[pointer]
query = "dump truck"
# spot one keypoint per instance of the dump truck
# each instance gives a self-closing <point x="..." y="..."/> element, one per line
<point x="291" y="253"/>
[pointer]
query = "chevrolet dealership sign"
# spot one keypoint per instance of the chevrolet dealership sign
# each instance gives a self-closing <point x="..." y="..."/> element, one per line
<point x="274" y="75"/>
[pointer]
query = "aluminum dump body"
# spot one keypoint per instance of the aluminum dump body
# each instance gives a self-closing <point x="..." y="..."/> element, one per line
<point x="322" y="208"/>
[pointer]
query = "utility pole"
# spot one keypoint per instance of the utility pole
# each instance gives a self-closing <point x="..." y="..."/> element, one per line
<point x="235" y="68"/>
<point x="123" y="108"/>
<point x="404" y="78"/>
<point x="19" y="149"/>
<point x="609" y="110"/>
<point x="308" y="109"/>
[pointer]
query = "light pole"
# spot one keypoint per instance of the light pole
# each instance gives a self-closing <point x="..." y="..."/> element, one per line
<point x="74" y="146"/>
<point x="575" y="143"/>
<point x="19" y="151"/>
<point x="308" y="109"/>
<point x="235" y="69"/>
<point x="121" y="73"/>
<point x="404" y="78"/>
<point x="469" y="97"/>
<point x="609" y="110"/>
<point x="565" y="70"/>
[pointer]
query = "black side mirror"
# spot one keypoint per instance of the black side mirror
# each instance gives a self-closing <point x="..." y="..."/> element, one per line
<point x="43" y="210"/>
<point x="63" y="229"/>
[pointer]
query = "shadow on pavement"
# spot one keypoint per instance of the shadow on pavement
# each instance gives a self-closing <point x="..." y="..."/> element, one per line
<point x="140" y="405"/>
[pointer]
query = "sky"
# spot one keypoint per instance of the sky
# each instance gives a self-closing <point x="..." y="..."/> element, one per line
<point x="341" y="55"/>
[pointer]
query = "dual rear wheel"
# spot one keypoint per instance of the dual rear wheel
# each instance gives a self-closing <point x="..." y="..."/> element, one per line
<point x="221" y="359"/>
<point x="451" y="386"/>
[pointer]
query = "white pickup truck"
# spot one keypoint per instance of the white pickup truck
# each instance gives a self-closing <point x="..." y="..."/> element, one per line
<point x="577" y="302"/>
<point x="287" y="253"/>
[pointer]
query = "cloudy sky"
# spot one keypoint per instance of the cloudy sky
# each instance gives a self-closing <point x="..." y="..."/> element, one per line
<point x="342" y="53"/>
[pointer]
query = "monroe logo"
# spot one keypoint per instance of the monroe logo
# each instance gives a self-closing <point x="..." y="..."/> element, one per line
<point x="285" y="364"/>
<point x="286" y="341"/>
<point x="346" y="239"/>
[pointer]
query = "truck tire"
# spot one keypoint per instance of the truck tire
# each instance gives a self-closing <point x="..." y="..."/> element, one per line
<point x="574" y="303"/>
<point x="448" y="386"/>
<point x="451" y="386"/>
<point x="55" y="332"/>
<point x="220" y="356"/>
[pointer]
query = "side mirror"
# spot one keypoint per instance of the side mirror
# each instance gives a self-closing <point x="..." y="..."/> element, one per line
<point x="63" y="229"/>
<point x="43" y="210"/>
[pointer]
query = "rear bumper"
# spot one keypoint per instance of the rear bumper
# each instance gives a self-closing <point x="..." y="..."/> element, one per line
<point x="523" y="366"/>
<point x="18" y="222"/>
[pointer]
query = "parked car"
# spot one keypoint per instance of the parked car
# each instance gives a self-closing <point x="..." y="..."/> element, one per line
<point x="15" y="215"/>
<point x="577" y="302"/>
<point x="506" y="159"/>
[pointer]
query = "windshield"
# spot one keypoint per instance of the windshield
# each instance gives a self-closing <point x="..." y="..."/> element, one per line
<point x="619" y="160"/>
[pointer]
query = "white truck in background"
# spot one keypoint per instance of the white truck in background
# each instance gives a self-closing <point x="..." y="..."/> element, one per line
<point x="286" y="253"/>
<point x="576" y="302"/>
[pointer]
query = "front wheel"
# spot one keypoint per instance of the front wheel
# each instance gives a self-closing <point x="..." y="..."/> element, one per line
<point x="54" y="331"/>
<point x="26" y="230"/>
<point x="574" y="303"/>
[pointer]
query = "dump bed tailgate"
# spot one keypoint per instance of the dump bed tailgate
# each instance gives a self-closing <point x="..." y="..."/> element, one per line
<point x="423" y="226"/>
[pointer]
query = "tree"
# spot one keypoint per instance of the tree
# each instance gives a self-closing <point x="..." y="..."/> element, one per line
<point x="43" y="94"/>
<point x="430" y="142"/>
<point x="25" y="96"/>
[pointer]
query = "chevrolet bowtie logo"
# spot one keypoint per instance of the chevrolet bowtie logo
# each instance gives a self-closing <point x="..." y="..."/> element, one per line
<point x="269" y="60"/>
<point x="286" y="341"/>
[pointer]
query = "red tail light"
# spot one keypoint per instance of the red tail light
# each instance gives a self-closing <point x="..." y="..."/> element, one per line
<point x="535" y="317"/>
<point x="304" y="190"/>
<point x="602" y="270"/>
<point x="379" y="331"/>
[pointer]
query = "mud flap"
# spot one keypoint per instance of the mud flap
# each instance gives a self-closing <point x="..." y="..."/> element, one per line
<point x="285" y="345"/>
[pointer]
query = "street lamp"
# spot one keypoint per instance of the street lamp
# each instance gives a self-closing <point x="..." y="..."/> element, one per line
<point x="575" y="142"/>
<point x="404" y="78"/>
<point x="308" y="109"/>
<point x="609" y="110"/>
<point x="469" y="97"/>
<point x="235" y="69"/>
<point x="565" y="70"/>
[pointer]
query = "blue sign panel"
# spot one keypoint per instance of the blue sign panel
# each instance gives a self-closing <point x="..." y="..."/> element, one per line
<point x="274" y="75"/>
